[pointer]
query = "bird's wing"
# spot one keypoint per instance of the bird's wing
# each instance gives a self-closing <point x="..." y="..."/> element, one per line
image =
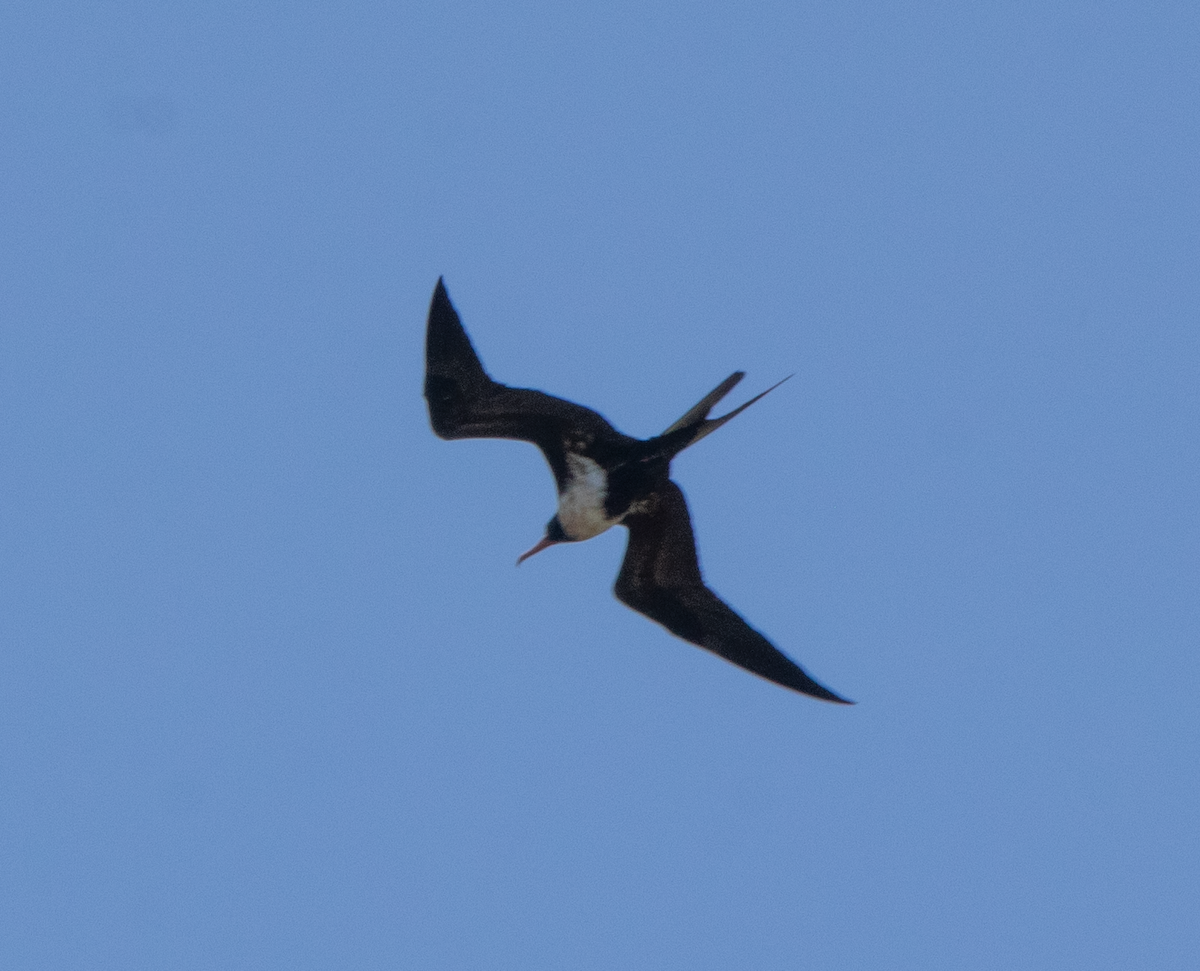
<point x="464" y="402"/>
<point x="660" y="577"/>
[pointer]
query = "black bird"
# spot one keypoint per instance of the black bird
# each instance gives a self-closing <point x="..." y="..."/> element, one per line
<point x="605" y="478"/>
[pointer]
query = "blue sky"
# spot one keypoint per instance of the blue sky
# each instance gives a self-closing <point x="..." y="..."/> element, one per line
<point x="272" y="694"/>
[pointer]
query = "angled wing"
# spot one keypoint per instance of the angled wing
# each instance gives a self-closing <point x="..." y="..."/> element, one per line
<point x="464" y="402"/>
<point x="660" y="578"/>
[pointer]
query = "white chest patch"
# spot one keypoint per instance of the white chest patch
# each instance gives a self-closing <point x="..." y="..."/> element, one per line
<point x="581" y="503"/>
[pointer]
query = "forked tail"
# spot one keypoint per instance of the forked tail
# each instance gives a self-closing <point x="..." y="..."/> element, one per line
<point x="697" y="421"/>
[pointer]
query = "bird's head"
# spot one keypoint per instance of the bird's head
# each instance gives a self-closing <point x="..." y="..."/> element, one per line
<point x="554" y="534"/>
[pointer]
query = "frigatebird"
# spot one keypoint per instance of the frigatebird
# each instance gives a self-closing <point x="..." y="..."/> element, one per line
<point x="605" y="478"/>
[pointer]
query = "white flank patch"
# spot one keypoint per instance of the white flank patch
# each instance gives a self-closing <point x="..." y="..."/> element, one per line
<point x="581" y="503"/>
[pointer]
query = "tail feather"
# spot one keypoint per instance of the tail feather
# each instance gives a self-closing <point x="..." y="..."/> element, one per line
<point x="698" y="420"/>
<point x="700" y="411"/>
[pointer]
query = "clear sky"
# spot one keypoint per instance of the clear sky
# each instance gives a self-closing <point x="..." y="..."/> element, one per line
<point x="272" y="694"/>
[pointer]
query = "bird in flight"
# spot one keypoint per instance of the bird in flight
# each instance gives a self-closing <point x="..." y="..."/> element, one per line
<point x="605" y="478"/>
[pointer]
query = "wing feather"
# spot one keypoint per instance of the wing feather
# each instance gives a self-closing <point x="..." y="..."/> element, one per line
<point x="464" y="402"/>
<point x="660" y="577"/>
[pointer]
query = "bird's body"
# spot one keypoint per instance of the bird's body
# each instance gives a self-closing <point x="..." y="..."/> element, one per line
<point x="582" y="509"/>
<point x="605" y="478"/>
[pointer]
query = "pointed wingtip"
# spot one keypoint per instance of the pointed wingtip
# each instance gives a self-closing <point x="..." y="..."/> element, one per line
<point x="439" y="303"/>
<point x="451" y="365"/>
<point x="821" y="693"/>
<point x="799" y="680"/>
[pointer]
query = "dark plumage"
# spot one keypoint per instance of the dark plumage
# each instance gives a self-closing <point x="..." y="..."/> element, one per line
<point x="605" y="478"/>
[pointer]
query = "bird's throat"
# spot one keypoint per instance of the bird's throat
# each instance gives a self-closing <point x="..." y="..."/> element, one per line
<point x="581" y="502"/>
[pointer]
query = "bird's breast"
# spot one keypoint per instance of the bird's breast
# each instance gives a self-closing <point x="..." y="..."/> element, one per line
<point x="581" y="502"/>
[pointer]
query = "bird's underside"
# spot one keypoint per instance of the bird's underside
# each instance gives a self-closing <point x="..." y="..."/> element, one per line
<point x="660" y="575"/>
